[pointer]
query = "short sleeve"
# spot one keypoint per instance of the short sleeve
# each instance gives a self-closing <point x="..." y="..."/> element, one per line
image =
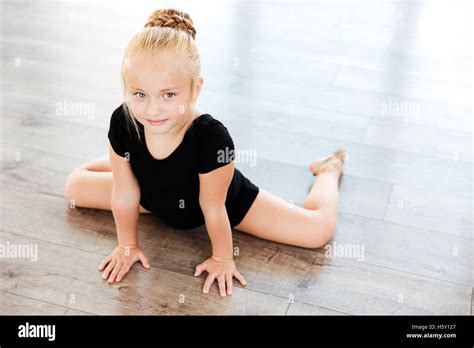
<point x="216" y="148"/>
<point x="118" y="134"/>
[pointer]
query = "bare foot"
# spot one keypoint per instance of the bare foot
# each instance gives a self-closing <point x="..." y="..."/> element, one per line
<point x="332" y="163"/>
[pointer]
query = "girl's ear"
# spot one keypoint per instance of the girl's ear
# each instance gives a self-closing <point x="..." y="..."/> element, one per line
<point x="197" y="89"/>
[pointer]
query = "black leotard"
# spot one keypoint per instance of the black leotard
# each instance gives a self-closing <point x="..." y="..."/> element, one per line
<point x="170" y="187"/>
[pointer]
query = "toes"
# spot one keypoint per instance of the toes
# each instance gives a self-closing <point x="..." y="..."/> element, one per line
<point x="318" y="164"/>
<point x="340" y="154"/>
<point x="315" y="164"/>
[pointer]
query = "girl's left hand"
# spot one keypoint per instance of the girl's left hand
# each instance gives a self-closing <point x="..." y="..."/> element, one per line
<point x="223" y="272"/>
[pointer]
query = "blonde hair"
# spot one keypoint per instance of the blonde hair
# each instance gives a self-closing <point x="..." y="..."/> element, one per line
<point x="166" y="31"/>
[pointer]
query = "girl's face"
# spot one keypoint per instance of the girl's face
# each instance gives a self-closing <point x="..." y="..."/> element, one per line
<point x="159" y="93"/>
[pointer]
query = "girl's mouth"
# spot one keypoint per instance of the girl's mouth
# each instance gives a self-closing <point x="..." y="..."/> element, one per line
<point x="156" y="122"/>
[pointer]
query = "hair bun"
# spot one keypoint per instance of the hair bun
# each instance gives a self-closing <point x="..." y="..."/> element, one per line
<point x="171" y="18"/>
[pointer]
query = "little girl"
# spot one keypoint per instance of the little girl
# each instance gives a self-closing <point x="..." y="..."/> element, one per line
<point x="168" y="158"/>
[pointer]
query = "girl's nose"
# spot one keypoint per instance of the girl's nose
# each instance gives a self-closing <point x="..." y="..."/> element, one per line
<point x="155" y="108"/>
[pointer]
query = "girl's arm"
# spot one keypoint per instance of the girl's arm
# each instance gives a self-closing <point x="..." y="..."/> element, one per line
<point x="125" y="199"/>
<point x="220" y="266"/>
<point x="125" y="208"/>
<point x="212" y="195"/>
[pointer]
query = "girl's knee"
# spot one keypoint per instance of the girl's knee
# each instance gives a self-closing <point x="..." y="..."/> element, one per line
<point x="321" y="229"/>
<point x="71" y="187"/>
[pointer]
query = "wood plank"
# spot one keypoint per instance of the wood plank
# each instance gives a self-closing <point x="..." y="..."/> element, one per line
<point x="357" y="102"/>
<point x="11" y="304"/>
<point x="360" y="289"/>
<point x="354" y="287"/>
<point x="370" y="162"/>
<point x="75" y="312"/>
<point x="364" y="54"/>
<point x="57" y="277"/>
<point x="458" y="93"/>
<point x="429" y="210"/>
<point x="48" y="135"/>
<point x="301" y="308"/>
<point x="287" y="117"/>
<point x="432" y="141"/>
<point x="35" y="170"/>
<point x="416" y="251"/>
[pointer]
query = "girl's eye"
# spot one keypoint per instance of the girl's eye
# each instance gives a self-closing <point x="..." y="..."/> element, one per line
<point x="169" y="94"/>
<point x="140" y="95"/>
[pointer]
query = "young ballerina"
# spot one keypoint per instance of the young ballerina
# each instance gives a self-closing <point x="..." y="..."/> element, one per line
<point x="167" y="157"/>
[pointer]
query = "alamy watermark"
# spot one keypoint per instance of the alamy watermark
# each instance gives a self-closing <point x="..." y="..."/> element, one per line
<point x="24" y="251"/>
<point x="67" y="108"/>
<point x="239" y="156"/>
<point x="398" y="109"/>
<point x="352" y="251"/>
<point x="28" y="330"/>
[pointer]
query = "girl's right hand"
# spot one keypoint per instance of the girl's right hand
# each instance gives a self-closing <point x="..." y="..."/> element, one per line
<point x="120" y="261"/>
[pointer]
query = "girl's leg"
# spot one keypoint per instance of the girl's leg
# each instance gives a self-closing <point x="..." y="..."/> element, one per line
<point x="276" y="219"/>
<point x="90" y="186"/>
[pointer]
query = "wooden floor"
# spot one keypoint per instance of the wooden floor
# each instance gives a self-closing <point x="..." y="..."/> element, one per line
<point x="390" y="81"/>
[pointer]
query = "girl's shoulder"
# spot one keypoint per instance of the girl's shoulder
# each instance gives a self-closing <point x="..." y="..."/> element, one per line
<point x="206" y="123"/>
<point x="209" y="131"/>
<point x="214" y="143"/>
